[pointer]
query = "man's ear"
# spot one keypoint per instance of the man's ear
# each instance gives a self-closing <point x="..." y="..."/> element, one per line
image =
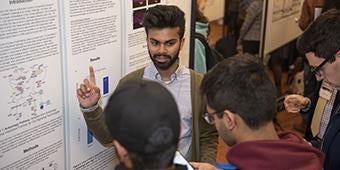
<point x="230" y="119"/>
<point x="122" y="154"/>
<point x="182" y="43"/>
<point x="338" y="53"/>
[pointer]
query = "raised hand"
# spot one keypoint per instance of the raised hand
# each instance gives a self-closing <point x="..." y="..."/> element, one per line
<point x="294" y="103"/>
<point x="88" y="93"/>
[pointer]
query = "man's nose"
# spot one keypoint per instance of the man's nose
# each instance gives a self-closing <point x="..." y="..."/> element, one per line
<point x="162" y="48"/>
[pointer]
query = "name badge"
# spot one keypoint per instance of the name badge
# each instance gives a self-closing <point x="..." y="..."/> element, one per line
<point x="326" y="91"/>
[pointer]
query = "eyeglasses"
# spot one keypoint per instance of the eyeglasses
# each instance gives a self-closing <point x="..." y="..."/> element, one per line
<point x="317" y="70"/>
<point x="209" y="118"/>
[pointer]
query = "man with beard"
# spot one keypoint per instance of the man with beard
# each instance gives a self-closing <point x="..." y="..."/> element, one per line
<point x="164" y="26"/>
<point x="241" y="103"/>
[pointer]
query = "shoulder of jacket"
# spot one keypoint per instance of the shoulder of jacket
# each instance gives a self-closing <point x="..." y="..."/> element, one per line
<point x="137" y="74"/>
<point x="195" y="77"/>
<point x="195" y="74"/>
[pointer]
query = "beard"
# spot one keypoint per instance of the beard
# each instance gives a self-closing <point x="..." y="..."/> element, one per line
<point x="171" y="60"/>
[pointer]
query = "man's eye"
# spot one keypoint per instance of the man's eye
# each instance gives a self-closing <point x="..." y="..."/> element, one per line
<point x="170" y="43"/>
<point x="154" y="43"/>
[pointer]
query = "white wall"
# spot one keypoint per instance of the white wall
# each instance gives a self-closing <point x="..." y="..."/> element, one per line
<point x="214" y="9"/>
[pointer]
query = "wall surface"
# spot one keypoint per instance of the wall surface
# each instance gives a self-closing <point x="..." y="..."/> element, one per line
<point x="214" y="9"/>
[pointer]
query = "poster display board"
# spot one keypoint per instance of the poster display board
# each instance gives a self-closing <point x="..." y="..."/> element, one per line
<point x="92" y="38"/>
<point x="280" y="23"/>
<point x="46" y="48"/>
<point x="31" y="124"/>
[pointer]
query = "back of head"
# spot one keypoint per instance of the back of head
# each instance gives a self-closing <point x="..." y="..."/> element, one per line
<point x="323" y="36"/>
<point x="331" y="4"/>
<point x="164" y="16"/>
<point x="143" y="117"/>
<point x="241" y="85"/>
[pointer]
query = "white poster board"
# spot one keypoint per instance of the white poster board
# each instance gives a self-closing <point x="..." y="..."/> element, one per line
<point x="280" y="23"/>
<point x="46" y="48"/>
<point x="31" y="124"/>
<point x="92" y="37"/>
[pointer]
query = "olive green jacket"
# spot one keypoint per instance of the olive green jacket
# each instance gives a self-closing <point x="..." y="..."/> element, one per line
<point x="204" y="136"/>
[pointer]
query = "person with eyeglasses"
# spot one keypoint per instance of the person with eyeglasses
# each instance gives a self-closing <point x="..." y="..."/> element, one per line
<point x="307" y="103"/>
<point x="321" y="45"/>
<point x="241" y="103"/>
<point x="310" y="108"/>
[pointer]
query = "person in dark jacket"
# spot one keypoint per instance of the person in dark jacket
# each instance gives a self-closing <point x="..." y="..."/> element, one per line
<point x="321" y="45"/>
<point x="297" y="103"/>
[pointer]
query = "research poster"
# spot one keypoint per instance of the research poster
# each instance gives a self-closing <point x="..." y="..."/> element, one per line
<point x="93" y="38"/>
<point x="31" y="124"/>
<point x="135" y="52"/>
<point x="281" y="19"/>
<point x="46" y="48"/>
<point x="285" y="8"/>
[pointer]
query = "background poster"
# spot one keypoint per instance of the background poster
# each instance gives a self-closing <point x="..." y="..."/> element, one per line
<point x="281" y="19"/>
<point x="31" y="124"/>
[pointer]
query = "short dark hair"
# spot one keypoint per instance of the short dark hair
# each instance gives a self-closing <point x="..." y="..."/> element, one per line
<point x="164" y="16"/>
<point x="323" y="36"/>
<point x="330" y="4"/>
<point x="143" y="117"/>
<point x="241" y="85"/>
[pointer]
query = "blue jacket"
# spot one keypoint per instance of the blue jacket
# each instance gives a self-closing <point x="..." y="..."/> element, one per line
<point x="199" y="60"/>
<point x="331" y="142"/>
